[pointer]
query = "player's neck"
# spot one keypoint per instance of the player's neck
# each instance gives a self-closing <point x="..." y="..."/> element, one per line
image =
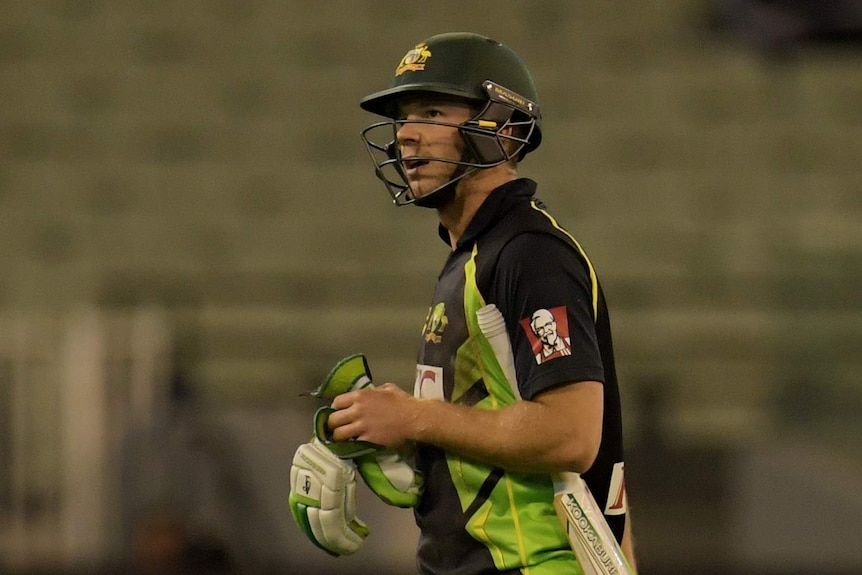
<point x="471" y="192"/>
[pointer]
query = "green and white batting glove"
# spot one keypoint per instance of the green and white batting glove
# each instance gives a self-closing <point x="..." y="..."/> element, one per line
<point x="323" y="499"/>
<point x="385" y="472"/>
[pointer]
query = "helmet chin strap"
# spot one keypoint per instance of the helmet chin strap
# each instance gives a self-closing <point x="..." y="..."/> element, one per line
<point x="445" y="193"/>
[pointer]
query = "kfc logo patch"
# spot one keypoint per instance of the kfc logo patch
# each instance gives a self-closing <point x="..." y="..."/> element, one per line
<point x="548" y="332"/>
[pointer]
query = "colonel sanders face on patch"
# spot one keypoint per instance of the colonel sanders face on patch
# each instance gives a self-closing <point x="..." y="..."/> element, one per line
<point x="548" y="332"/>
<point x="545" y="327"/>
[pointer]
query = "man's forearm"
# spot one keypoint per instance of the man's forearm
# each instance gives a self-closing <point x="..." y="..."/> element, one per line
<point x="555" y="433"/>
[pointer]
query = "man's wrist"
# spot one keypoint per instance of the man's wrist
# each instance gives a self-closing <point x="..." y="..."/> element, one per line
<point x="423" y="418"/>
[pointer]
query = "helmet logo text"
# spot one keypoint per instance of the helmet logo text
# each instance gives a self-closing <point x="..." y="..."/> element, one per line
<point x="498" y="93"/>
<point x="414" y="60"/>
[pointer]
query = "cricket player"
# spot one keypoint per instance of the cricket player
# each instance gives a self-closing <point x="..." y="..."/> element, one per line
<point x="460" y="114"/>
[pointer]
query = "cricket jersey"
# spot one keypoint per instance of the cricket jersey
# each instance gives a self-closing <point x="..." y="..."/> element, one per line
<point x="480" y="519"/>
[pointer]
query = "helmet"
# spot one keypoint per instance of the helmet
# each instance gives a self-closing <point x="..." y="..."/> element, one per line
<point x="478" y="69"/>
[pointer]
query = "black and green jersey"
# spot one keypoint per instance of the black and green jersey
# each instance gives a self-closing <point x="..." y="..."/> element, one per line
<point x="474" y="518"/>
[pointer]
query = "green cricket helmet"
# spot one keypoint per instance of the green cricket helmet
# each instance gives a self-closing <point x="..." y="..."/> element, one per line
<point x="469" y="67"/>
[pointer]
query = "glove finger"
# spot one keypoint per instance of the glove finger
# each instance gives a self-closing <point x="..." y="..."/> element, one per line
<point x="356" y="525"/>
<point x="342" y="536"/>
<point x="301" y="517"/>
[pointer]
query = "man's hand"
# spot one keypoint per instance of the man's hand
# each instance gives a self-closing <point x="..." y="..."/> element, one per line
<point x="350" y="449"/>
<point x="323" y="499"/>
<point x="381" y="415"/>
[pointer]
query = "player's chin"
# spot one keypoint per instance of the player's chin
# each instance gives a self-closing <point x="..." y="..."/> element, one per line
<point x="424" y="185"/>
<point x="420" y="187"/>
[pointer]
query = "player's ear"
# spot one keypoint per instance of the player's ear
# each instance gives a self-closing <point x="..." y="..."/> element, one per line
<point x="511" y="136"/>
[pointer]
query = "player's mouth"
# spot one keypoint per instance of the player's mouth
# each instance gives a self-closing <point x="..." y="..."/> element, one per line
<point x="412" y="166"/>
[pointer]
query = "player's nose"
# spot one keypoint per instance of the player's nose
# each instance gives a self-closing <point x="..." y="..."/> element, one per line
<point x="407" y="134"/>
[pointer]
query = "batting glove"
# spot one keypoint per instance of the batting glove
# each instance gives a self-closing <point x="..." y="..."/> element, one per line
<point x="323" y="499"/>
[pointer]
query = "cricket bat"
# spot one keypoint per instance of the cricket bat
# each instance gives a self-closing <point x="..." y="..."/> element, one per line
<point x="588" y="532"/>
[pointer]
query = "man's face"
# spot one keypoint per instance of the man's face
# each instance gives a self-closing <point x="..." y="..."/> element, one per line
<point x="545" y="327"/>
<point x="426" y="140"/>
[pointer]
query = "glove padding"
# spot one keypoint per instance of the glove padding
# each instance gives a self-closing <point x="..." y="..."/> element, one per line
<point x="323" y="499"/>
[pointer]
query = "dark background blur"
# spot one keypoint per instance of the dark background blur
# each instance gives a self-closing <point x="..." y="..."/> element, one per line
<point x="192" y="234"/>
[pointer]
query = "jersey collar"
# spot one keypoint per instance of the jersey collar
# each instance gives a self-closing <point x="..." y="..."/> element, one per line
<point x="492" y="209"/>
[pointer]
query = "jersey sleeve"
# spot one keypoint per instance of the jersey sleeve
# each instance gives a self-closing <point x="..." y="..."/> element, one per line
<point x="544" y="289"/>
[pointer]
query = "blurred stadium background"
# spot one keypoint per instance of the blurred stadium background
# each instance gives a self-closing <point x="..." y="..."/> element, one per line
<point x="192" y="234"/>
